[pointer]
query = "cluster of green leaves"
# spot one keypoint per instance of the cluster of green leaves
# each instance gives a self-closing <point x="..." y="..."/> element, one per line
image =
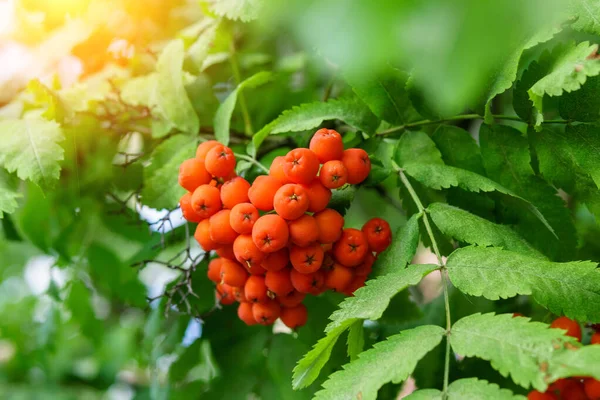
<point x="513" y="202"/>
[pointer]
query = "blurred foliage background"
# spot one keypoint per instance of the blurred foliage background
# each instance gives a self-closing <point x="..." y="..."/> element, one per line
<point x="133" y="84"/>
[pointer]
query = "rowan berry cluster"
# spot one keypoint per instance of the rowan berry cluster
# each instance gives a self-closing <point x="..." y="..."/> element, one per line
<point x="275" y="239"/>
<point x="576" y="388"/>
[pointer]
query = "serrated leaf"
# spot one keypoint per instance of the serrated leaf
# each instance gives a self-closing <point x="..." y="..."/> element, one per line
<point x="584" y="142"/>
<point x="584" y="361"/>
<point x="390" y="361"/>
<point x="342" y="198"/>
<point x="402" y="249"/>
<point x="568" y="72"/>
<point x="308" y="368"/>
<point x="583" y="104"/>
<point x="507" y="160"/>
<point x="514" y="346"/>
<point x="170" y="97"/>
<point x="370" y="301"/>
<point x="458" y="148"/>
<point x="425" y="394"/>
<point x="243" y="10"/>
<point x="469" y="228"/>
<point x="558" y="164"/>
<point x="384" y="92"/>
<point x="356" y="339"/>
<point x="310" y="115"/>
<point x="225" y="110"/>
<point x="199" y="49"/>
<point x="569" y="288"/>
<point x="416" y="147"/>
<point x="475" y="389"/>
<point x="161" y="187"/>
<point x="8" y="194"/>
<point x="585" y="13"/>
<point x="440" y="177"/>
<point x="30" y="148"/>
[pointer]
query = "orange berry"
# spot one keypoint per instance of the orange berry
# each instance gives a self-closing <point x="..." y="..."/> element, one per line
<point x="351" y="249"/>
<point x="365" y="268"/>
<point x="220" y="229"/>
<point x="232" y="273"/>
<point x="256" y="289"/>
<point x="318" y="195"/>
<point x="574" y="390"/>
<point x="333" y="174"/>
<point x="592" y="388"/>
<point x="246" y="251"/>
<point x="204" y="147"/>
<point x="192" y="174"/>
<point x="357" y="283"/>
<point x="226" y="251"/>
<point x="242" y="218"/>
<point x="308" y="283"/>
<point x="595" y="338"/>
<point x="358" y="164"/>
<point x="277" y="260"/>
<point x="294" y="317"/>
<point x="266" y="313"/>
<point x="338" y="278"/>
<point x="331" y="225"/>
<point x="206" y="201"/>
<point x="559" y="386"/>
<point x="308" y="259"/>
<point x="225" y="294"/>
<point x="220" y="161"/>
<point x="378" y="233"/>
<point x="572" y="327"/>
<point x="256" y="270"/>
<point x="262" y="192"/>
<point x="279" y="282"/>
<point x="301" y="165"/>
<point x="202" y="235"/>
<point x="290" y="201"/>
<point x="292" y="299"/>
<point x="245" y="314"/>
<point x="327" y="145"/>
<point x="234" y="191"/>
<point x="270" y="233"/>
<point x="186" y="208"/>
<point x="276" y="170"/>
<point x="214" y="270"/>
<point x="328" y="261"/>
<point x="239" y="295"/>
<point x="304" y="230"/>
<point x="535" y="395"/>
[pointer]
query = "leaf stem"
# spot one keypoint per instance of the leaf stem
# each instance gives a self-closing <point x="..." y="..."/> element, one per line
<point x="241" y="97"/>
<point x="461" y="117"/>
<point x="252" y="160"/>
<point x="442" y="265"/>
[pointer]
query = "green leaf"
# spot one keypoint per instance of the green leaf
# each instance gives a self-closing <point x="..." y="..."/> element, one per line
<point x="310" y="115"/>
<point x="515" y="346"/>
<point x="458" y="148"/>
<point x="225" y="110"/>
<point x="384" y="92"/>
<point x="469" y="228"/>
<point x="79" y="303"/>
<point x="585" y="13"/>
<point x="308" y="368"/>
<point x="416" y="147"/>
<point x="342" y="198"/>
<point x="199" y="49"/>
<point x="30" y="147"/>
<point x="8" y="193"/>
<point x="170" y="96"/>
<point x="475" y="389"/>
<point x="243" y="10"/>
<point x="583" y="361"/>
<point x="425" y="394"/>
<point x="161" y="187"/>
<point x="390" y="361"/>
<point x="370" y="301"/>
<point x="356" y="339"/>
<point x="443" y="176"/>
<point x="583" y="104"/>
<point x="584" y="142"/>
<point x="402" y="249"/>
<point x="507" y="160"/>
<point x="568" y="72"/>
<point x="569" y="288"/>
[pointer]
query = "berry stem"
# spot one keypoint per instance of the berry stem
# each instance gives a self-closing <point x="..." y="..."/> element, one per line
<point x="252" y="160"/>
<point x="461" y="117"/>
<point x="241" y="97"/>
<point x="443" y="274"/>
